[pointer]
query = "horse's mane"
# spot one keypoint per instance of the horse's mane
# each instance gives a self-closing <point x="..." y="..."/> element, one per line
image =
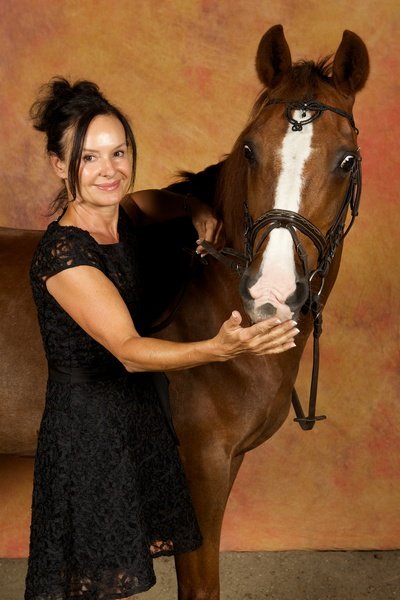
<point x="202" y="184"/>
<point x="305" y="70"/>
<point x="227" y="179"/>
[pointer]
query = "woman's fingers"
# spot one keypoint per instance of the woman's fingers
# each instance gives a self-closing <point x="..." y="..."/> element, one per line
<point x="272" y="329"/>
<point x="219" y="236"/>
<point x="271" y="337"/>
<point x="277" y="349"/>
<point x="232" y="324"/>
<point x="210" y="230"/>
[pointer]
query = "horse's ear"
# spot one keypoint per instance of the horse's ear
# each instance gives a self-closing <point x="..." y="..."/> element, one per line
<point x="351" y="64"/>
<point x="273" y="58"/>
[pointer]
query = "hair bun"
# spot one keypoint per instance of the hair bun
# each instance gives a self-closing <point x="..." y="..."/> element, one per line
<point x="87" y="88"/>
<point x="52" y="97"/>
<point x="58" y="97"/>
<point x="59" y="88"/>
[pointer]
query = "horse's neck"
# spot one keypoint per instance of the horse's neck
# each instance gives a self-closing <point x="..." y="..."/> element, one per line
<point x="231" y="198"/>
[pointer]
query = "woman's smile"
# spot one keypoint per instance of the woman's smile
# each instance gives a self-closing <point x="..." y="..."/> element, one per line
<point x="108" y="187"/>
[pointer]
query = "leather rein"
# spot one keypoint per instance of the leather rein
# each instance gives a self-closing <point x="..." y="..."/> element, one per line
<point x="326" y="245"/>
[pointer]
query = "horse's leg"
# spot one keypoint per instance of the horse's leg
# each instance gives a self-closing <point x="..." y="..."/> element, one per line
<point x="198" y="572"/>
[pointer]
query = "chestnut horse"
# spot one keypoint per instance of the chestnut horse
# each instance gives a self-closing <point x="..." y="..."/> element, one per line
<point x="283" y="193"/>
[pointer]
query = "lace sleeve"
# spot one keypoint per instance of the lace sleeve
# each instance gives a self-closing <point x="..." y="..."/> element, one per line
<point x="63" y="248"/>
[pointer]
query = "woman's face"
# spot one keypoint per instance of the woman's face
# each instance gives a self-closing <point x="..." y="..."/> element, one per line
<point x="106" y="164"/>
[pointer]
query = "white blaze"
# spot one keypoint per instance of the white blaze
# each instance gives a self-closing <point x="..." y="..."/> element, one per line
<point x="277" y="278"/>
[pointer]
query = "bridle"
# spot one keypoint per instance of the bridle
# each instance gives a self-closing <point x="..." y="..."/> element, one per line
<point x="326" y="245"/>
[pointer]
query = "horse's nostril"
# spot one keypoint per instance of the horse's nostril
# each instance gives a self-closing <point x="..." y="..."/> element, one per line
<point x="267" y="310"/>
<point x="296" y="300"/>
<point x="246" y="282"/>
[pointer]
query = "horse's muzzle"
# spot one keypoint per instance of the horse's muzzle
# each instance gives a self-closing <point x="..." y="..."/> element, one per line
<point x="283" y="310"/>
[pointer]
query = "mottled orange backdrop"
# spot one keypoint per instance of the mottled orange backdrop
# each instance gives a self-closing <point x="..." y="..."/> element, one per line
<point x="183" y="70"/>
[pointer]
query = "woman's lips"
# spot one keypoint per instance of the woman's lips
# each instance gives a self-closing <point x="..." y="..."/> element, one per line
<point x="108" y="187"/>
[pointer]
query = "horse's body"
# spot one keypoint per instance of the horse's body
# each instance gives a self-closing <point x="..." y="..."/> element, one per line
<point x="223" y="410"/>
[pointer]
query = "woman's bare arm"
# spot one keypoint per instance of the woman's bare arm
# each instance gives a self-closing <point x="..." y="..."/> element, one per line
<point x="93" y="301"/>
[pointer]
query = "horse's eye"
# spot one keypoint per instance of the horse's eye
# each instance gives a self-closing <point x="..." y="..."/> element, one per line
<point x="348" y="163"/>
<point x="248" y="152"/>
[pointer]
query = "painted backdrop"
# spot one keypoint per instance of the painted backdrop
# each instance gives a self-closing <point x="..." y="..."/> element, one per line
<point x="183" y="71"/>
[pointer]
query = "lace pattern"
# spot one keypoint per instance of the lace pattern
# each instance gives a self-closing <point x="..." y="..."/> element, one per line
<point x="109" y="489"/>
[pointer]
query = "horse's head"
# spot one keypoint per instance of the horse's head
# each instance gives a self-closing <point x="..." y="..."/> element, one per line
<point x="293" y="173"/>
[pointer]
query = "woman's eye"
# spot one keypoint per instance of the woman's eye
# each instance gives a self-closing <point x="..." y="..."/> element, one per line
<point x="248" y="152"/>
<point x="119" y="153"/>
<point x="88" y="157"/>
<point x="348" y="163"/>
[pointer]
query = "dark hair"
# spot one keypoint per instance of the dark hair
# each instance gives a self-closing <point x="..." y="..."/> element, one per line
<point x="62" y="107"/>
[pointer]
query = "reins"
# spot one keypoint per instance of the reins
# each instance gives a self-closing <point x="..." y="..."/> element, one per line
<point x="326" y="246"/>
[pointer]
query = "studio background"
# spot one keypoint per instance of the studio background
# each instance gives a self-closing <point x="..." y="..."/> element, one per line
<point x="184" y="73"/>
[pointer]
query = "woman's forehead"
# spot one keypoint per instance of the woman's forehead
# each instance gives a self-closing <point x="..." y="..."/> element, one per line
<point x="104" y="131"/>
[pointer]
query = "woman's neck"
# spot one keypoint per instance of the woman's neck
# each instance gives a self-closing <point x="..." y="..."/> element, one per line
<point x="101" y="222"/>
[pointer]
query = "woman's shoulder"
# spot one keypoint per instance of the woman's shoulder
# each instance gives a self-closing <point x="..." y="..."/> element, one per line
<point x="65" y="238"/>
<point x="64" y="246"/>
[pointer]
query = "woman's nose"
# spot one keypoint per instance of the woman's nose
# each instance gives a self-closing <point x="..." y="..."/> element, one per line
<point x="107" y="168"/>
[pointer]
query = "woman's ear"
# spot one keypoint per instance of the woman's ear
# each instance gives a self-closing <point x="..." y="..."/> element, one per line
<point x="59" y="166"/>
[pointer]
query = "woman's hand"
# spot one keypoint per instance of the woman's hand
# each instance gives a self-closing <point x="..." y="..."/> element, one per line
<point x="208" y="227"/>
<point x="266" y="337"/>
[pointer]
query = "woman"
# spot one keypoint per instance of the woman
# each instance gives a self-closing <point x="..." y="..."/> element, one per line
<point x="109" y="491"/>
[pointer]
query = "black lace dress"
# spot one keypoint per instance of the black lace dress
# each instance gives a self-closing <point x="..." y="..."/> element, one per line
<point x="109" y="490"/>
